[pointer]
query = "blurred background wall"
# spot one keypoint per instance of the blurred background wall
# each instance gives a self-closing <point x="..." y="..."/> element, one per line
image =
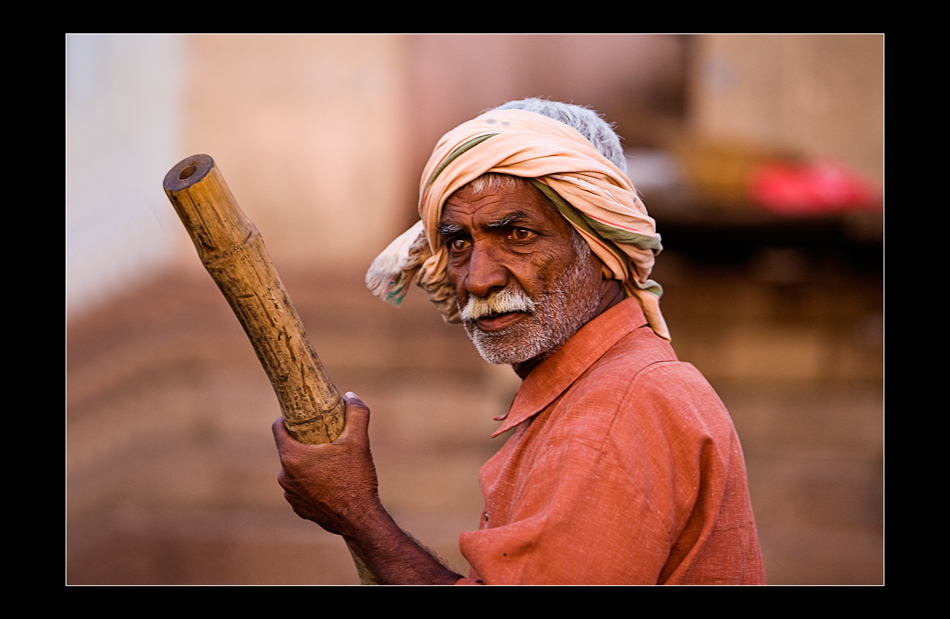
<point x="761" y="157"/>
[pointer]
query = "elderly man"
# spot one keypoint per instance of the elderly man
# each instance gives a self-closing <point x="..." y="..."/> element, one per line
<point x="624" y="466"/>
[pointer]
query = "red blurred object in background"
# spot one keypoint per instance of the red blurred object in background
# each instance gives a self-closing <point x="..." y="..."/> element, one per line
<point x="820" y="187"/>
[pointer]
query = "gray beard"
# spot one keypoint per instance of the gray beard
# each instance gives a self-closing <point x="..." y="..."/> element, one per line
<point x="558" y="314"/>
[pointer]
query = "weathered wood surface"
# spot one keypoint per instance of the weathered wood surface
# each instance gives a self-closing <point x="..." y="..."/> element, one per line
<point x="233" y="252"/>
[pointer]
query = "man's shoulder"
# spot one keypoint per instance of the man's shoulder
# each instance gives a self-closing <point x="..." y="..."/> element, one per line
<point x="648" y="365"/>
<point x="638" y="381"/>
<point x="634" y="353"/>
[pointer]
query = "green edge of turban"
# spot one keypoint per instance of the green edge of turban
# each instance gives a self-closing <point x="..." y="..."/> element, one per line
<point x="396" y="296"/>
<point x="454" y="154"/>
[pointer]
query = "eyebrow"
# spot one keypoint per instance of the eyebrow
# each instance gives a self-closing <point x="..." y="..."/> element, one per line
<point x="449" y="229"/>
<point x="508" y="220"/>
<point x="446" y="229"/>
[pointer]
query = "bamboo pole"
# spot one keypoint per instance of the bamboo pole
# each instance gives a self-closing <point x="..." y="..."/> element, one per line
<point x="233" y="252"/>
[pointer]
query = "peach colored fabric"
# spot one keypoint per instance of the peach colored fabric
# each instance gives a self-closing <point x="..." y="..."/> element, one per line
<point x="624" y="468"/>
<point x="591" y="192"/>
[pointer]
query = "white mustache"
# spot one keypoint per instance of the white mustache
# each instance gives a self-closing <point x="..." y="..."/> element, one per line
<point x="511" y="299"/>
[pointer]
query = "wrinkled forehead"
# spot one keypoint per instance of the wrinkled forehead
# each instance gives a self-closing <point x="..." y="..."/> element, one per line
<point x="494" y="205"/>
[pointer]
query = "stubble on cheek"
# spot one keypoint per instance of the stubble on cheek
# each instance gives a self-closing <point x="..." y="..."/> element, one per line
<point x="567" y="301"/>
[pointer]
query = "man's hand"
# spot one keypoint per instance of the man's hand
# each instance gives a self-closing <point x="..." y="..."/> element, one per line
<point x="333" y="484"/>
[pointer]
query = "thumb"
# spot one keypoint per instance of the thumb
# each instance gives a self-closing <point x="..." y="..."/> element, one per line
<point x="357" y="417"/>
<point x="280" y="432"/>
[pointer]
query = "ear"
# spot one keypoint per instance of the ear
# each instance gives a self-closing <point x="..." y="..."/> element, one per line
<point x="605" y="272"/>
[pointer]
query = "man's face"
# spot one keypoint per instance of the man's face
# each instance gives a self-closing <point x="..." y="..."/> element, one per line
<point x="522" y="287"/>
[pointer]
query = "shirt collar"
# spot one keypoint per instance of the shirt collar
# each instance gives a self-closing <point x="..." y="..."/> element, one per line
<point x="554" y="375"/>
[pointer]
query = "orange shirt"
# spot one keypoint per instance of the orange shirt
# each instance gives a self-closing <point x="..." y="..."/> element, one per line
<point x="624" y="468"/>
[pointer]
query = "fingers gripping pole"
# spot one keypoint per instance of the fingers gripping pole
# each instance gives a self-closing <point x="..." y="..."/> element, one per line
<point x="234" y="254"/>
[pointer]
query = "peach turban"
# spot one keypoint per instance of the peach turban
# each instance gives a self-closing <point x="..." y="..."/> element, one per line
<point x="590" y="192"/>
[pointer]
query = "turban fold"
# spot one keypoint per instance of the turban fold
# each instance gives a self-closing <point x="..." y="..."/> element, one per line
<point x="590" y="192"/>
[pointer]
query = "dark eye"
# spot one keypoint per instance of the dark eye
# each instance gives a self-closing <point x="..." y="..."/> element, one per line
<point x="457" y="244"/>
<point x="521" y="234"/>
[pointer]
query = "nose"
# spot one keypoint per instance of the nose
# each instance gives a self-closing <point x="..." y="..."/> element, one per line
<point x="485" y="272"/>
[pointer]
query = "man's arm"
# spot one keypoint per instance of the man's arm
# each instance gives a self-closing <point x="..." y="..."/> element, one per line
<point x="335" y="485"/>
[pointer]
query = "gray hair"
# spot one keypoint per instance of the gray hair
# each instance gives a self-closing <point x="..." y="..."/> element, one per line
<point x="588" y="123"/>
<point x="600" y="133"/>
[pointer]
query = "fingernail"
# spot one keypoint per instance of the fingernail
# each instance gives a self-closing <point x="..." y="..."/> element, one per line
<point x="350" y="394"/>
